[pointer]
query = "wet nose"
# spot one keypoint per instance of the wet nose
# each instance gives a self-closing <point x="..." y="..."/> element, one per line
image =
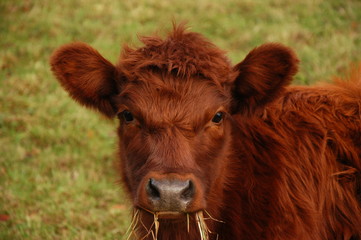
<point x="170" y="194"/>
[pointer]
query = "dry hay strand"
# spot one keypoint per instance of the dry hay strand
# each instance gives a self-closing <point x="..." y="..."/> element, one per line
<point x="131" y="229"/>
<point x="131" y="233"/>
<point x="202" y="226"/>
<point x="212" y="218"/>
<point x="156" y="225"/>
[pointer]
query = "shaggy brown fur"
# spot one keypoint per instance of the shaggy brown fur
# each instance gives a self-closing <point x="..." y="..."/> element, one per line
<point x="283" y="163"/>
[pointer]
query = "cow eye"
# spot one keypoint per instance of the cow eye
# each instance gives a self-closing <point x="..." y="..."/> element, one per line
<point x="218" y="117"/>
<point x="127" y="116"/>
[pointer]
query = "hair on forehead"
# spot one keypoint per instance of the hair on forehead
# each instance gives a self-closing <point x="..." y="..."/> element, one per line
<point x="182" y="53"/>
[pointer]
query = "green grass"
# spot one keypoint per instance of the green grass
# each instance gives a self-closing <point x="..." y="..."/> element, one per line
<point x="58" y="177"/>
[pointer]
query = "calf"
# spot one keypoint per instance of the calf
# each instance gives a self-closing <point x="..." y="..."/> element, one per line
<point x="214" y="151"/>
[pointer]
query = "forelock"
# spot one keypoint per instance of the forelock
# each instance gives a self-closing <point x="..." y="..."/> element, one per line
<point x="182" y="53"/>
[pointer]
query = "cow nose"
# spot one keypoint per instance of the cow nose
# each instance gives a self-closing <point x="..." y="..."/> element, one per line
<point x="170" y="194"/>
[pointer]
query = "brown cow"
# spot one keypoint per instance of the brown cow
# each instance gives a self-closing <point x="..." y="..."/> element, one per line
<point x="213" y="151"/>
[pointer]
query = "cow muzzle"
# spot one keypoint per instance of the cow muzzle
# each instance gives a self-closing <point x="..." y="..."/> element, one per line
<point x="171" y="194"/>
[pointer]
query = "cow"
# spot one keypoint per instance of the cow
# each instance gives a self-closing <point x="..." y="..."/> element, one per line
<point x="211" y="150"/>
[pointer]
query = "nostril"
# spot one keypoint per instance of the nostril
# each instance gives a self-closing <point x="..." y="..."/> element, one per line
<point x="152" y="189"/>
<point x="188" y="191"/>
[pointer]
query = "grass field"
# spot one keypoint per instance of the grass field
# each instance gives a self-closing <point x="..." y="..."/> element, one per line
<point x="58" y="177"/>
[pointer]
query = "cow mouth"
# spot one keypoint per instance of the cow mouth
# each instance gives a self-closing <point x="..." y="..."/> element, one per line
<point x="168" y="215"/>
<point x="198" y="220"/>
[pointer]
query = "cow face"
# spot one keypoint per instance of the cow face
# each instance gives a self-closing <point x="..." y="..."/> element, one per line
<point x="173" y="141"/>
<point x="174" y="99"/>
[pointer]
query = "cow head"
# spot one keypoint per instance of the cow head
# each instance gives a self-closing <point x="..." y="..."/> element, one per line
<point x="174" y="99"/>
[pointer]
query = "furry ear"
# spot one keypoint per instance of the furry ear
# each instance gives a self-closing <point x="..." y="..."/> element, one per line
<point x="262" y="76"/>
<point x="88" y="77"/>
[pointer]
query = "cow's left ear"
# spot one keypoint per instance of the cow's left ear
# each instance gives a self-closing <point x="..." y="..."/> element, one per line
<point x="262" y="76"/>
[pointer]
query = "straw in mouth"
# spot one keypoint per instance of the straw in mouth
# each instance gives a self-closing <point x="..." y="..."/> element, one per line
<point x="154" y="228"/>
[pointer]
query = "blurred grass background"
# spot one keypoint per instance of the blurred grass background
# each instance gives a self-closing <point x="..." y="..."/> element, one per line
<point x="58" y="178"/>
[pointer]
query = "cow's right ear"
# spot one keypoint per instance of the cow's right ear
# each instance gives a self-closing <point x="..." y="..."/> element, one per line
<point x="88" y="77"/>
